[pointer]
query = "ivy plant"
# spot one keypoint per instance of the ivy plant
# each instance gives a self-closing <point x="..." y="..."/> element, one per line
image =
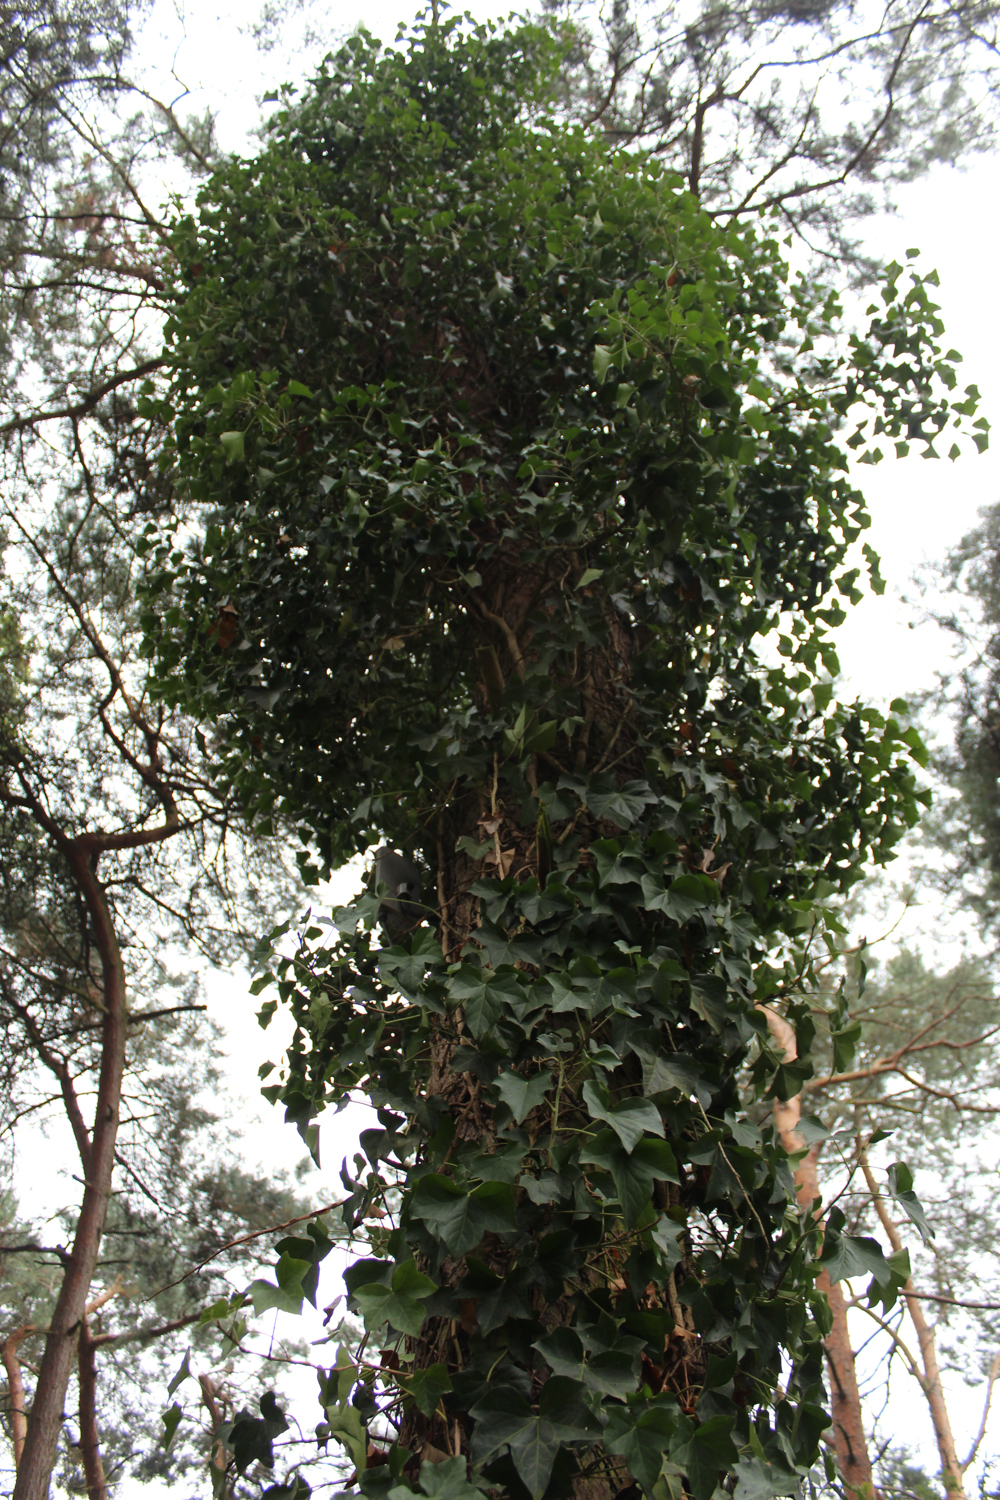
<point x="513" y="523"/>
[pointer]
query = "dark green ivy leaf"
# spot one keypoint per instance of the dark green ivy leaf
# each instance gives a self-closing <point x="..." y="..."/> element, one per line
<point x="447" y="1480"/>
<point x="251" y="1438"/>
<point x="171" y="1418"/>
<point x="460" y="1218"/>
<point x="641" y="1433"/>
<point x="522" y="1094"/>
<point x="426" y="1386"/>
<point x="630" y="1119"/>
<point x="634" y="1172"/>
<point x="504" y="1419"/>
<point x="400" y="1304"/>
<point x="182" y="1374"/>
<point x="610" y="1372"/>
<point x="707" y="1453"/>
<point x="760" y="1479"/>
<point x="901" y="1188"/>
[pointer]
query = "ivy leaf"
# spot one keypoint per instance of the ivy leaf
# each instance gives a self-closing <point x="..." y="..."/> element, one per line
<point x="759" y="1479"/>
<point x="663" y="1072"/>
<point x="506" y="947"/>
<point x="232" y="446"/>
<point x="448" y="1480"/>
<point x="584" y="987"/>
<point x="265" y="1295"/>
<point x="293" y="1489"/>
<point x="251" y="1438"/>
<point x="182" y="1373"/>
<point x="615" y="867"/>
<point x="846" y="1255"/>
<point x="426" y="1386"/>
<point x="460" y="1218"/>
<point x="709" y="1451"/>
<point x="405" y="965"/>
<point x="602" y="359"/>
<point x="633" y="1172"/>
<point x="666" y="1237"/>
<point x="641" y="1433"/>
<point x="624" y="805"/>
<point x="630" y="1119"/>
<point x="610" y="1372"/>
<point x="505" y="1419"/>
<point x="171" y="1419"/>
<point x="901" y="1188"/>
<point x="400" y="1304"/>
<point x="345" y="1424"/>
<point x="688" y="895"/>
<point x="484" y="996"/>
<point x="845" y="1042"/>
<point x="522" y="1094"/>
<point x="337" y="1385"/>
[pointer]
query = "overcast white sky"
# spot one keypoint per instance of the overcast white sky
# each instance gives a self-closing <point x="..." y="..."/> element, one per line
<point x="919" y="509"/>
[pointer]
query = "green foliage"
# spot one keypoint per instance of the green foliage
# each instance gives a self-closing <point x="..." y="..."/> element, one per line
<point x="509" y="458"/>
<point x="965" y="829"/>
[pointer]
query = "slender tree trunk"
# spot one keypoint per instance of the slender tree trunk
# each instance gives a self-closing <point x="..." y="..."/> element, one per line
<point x="15" y="1389"/>
<point x="61" y="1345"/>
<point x="849" y="1442"/>
<point x="90" y="1448"/>
<point x="952" y="1470"/>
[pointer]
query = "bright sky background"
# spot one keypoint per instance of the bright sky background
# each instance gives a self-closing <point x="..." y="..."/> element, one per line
<point x="919" y="509"/>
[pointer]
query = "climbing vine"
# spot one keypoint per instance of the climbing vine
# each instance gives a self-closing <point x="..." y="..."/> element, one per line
<point x="523" y="525"/>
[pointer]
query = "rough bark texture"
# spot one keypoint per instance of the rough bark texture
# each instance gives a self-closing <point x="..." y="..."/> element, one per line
<point x="62" y="1343"/>
<point x="90" y="1448"/>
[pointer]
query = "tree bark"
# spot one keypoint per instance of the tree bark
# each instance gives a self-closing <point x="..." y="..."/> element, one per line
<point x="90" y="1448"/>
<point x="61" y="1345"/>
<point x="849" y="1442"/>
<point x="15" y="1389"/>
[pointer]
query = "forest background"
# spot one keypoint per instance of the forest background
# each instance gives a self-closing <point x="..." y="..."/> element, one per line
<point x="920" y="511"/>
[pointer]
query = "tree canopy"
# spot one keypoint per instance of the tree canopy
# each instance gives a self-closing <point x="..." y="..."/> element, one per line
<point x="514" y="469"/>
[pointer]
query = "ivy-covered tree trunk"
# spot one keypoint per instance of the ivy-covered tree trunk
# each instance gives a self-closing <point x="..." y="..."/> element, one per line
<point x="508" y="458"/>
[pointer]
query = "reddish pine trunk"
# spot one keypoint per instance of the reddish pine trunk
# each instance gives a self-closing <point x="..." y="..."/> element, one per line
<point x="61" y="1345"/>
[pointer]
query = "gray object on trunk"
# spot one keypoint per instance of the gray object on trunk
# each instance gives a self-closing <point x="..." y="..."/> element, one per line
<point x="400" y="908"/>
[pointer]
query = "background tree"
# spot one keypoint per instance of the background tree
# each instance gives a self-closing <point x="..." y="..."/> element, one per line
<point x="96" y="786"/>
<point x="814" y="110"/>
<point x="964" y="833"/>
<point x="167" y="1250"/>
<point x="508" y="456"/>
<point x="924" y="1077"/>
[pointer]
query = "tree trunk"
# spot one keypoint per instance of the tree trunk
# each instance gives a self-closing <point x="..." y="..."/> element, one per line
<point x="491" y="813"/>
<point x="15" y="1389"/>
<point x="61" y="1345"/>
<point x="90" y="1448"/>
<point x="849" y="1442"/>
<point x="952" y="1471"/>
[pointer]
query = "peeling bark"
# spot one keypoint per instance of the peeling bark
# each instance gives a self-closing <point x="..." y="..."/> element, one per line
<point x="15" y="1389"/>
